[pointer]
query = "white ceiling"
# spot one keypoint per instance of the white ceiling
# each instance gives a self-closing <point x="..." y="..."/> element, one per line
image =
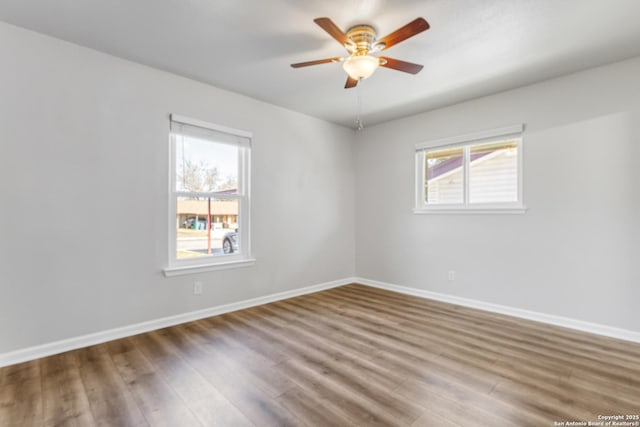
<point x="474" y="47"/>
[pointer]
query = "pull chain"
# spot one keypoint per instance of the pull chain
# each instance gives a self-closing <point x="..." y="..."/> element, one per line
<point x="359" y="124"/>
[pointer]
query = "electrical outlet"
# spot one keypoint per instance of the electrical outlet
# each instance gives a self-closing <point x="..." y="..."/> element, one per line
<point x="197" y="288"/>
<point x="452" y="275"/>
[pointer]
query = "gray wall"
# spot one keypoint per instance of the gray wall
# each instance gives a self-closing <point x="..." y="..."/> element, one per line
<point x="575" y="253"/>
<point x="84" y="193"/>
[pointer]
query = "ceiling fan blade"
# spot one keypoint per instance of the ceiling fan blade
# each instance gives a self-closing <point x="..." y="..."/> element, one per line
<point x="316" y="62"/>
<point x="333" y="30"/>
<point x="414" y="27"/>
<point x="396" y="64"/>
<point x="351" y="82"/>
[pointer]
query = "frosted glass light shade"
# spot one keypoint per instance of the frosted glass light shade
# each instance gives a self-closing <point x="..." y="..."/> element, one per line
<point x="360" y="66"/>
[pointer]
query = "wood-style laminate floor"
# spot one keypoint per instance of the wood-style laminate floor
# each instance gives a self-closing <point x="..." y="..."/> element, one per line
<point x="353" y="355"/>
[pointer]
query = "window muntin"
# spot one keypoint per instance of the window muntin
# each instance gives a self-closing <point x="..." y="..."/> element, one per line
<point x="472" y="172"/>
<point x="209" y="206"/>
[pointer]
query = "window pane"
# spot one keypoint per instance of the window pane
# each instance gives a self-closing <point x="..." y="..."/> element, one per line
<point x="445" y="176"/>
<point x="493" y="176"/>
<point x="206" y="166"/>
<point x="198" y="237"/>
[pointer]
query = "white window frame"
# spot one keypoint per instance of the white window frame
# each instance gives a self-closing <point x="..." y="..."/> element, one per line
<point x="216" y="262"/>
<point x="466" y="141"/>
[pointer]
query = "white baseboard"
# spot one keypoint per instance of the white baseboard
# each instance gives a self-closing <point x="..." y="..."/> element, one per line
<point x="49" y="349"/>
<point x="566" y="322"/>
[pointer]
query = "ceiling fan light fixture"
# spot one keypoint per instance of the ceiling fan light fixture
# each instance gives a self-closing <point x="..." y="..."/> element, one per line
<point x="360" y="67"/>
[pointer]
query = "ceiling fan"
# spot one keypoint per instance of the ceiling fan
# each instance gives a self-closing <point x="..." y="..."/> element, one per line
<point x="360" y="41"/>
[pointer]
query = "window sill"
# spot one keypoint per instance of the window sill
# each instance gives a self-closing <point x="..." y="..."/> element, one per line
<point x="466" y="210"/>
<point x="203" y="268"/>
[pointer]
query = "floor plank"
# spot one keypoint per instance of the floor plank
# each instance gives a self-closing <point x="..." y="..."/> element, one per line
<point x="110" y="400"/>
<point x="210" y="406"/>
<point x="21" y="398"/>
<point x="65" y="401"/>
<point x="159" y="403"/>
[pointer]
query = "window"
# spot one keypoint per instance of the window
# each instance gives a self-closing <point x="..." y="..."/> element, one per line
<point x="473" y="173"/>
<point x="209" y="197"/>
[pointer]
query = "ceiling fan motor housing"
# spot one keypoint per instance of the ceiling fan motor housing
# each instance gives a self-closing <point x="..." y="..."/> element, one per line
<point x="362" y="39"/>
